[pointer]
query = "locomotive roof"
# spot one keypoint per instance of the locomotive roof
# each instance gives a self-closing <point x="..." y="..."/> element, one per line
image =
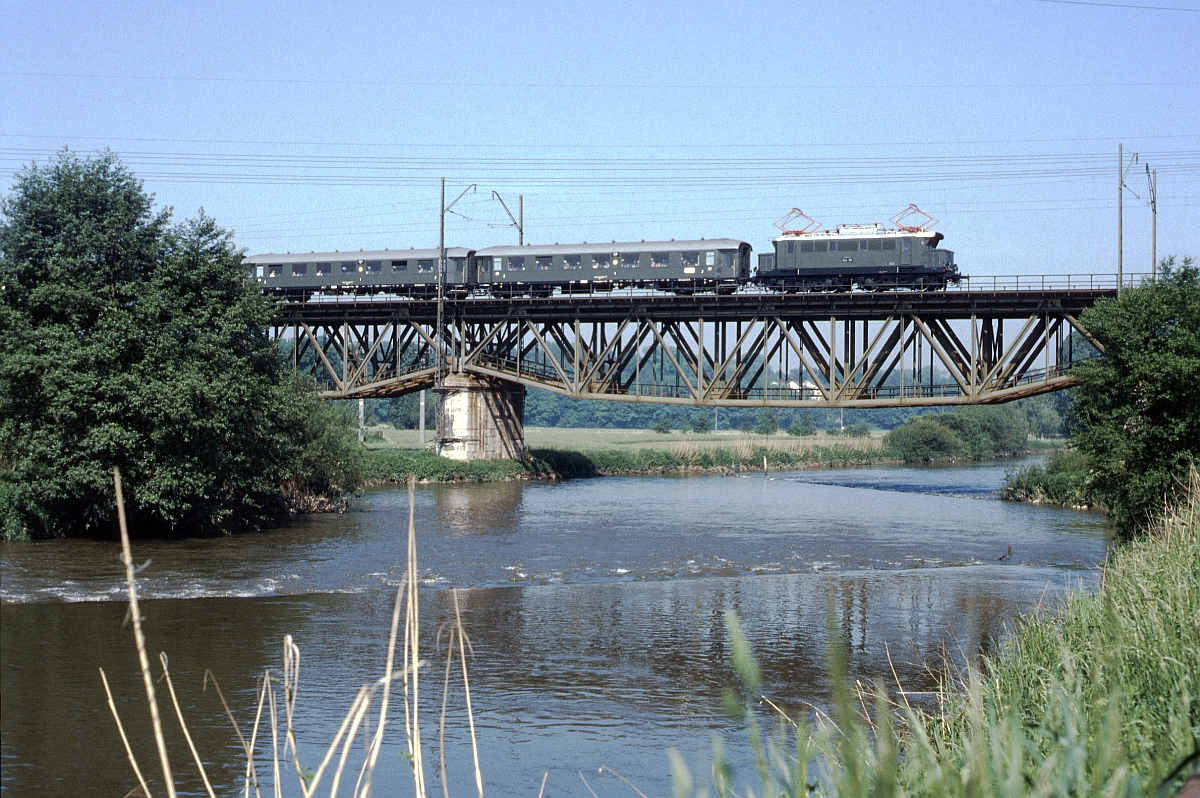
<point x="861" y="231"/>
<point x="613" y="246"/>
<point x="374" y="254"/>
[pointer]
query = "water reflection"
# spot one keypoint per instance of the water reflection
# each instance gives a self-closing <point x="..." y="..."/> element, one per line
<point x="595" y="609"/>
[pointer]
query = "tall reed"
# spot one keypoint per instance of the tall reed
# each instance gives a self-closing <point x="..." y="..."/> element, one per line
<point x="344" y="747"/>
<point x="1097" y="699"/>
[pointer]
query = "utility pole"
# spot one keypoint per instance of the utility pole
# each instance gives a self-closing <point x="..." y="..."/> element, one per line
<point x="421" y="420"/>
<point x="1120" y="216"/>
<point x="361" y="416"/>
<point x="517" y="221"/>
<point x="441" y="282"/>
<point x="1152" y="179"/>
<point x="1122" y="170"/>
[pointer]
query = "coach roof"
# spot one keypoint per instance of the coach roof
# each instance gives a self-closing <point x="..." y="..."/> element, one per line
<point x="608" y="248"/>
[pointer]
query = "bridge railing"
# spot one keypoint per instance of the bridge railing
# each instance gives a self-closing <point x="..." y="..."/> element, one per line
<point x="976" y="283"/>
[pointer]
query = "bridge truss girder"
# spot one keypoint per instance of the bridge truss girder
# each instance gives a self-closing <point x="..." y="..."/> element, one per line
<point x="725" y="353"/>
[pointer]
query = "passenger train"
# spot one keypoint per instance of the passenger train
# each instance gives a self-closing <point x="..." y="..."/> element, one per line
<point x="870" y="257"/>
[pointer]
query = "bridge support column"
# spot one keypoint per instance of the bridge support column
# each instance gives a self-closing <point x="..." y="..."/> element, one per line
<point x="481" y="418"/>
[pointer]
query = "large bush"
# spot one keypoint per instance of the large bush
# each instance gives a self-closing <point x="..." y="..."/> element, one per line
<point x="973" y="433"/>
<point x="1137" y="409"/>
<point x="136" y="342"/>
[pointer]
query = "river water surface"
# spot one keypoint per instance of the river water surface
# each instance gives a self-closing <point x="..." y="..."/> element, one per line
<point x="594" y="608"/>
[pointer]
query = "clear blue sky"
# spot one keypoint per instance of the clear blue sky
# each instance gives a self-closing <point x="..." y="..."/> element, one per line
<point x="313" y="126"/>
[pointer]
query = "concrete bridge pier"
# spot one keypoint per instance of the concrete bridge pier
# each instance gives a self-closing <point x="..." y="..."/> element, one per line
<point x="481" y="418"/>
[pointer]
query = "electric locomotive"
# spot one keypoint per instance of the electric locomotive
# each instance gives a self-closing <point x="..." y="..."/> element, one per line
<point x="869" y="256"/>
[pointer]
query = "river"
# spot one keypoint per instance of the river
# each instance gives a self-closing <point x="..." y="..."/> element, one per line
<point x="594" y="608"/>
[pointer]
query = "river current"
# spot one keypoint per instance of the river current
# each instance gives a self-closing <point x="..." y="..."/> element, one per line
<point x="594" y="608"/>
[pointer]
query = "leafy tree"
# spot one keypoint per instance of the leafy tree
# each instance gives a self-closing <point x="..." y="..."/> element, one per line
<point x="768" y="423"/>
<point x="1137" y="410"/>
<point x="702" y="422"/>
<point x="801" y="426"/>
<point x="663" y="425"/>
<point x="130" y="341"/>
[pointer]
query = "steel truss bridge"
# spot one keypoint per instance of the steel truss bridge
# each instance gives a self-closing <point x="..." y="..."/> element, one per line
<point x="978" y="345"/>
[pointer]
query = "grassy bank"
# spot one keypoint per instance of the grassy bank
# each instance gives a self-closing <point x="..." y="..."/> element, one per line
<point x="395" y="465"/>
<point x="1061" y="480"/>
<point x="1098" y="698"/>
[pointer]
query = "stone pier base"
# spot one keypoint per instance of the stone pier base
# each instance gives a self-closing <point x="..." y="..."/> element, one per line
<point x="481" y="418"/>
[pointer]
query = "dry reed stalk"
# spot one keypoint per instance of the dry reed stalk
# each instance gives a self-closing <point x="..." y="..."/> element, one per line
<point x="358" y="718"/>
<point x="121" y="729"/>
<point x="274" y="742"/>
<point x="187" y="735"/>
<point x="622" y="778"/>
<point x="251" y="770"/>
<point x="542" y="791"/>
<point x="462" y="656"/>
<point x="442" y="720"/>
<point x="140" y="638"/>
<point x="209" y="676"/>
<point x="373" y="752"/>
<point x="412" y="726"/>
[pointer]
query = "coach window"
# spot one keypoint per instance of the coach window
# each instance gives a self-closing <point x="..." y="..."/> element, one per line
<point x="710" y="258"/>
<point x="374" y="266"/>
<point x="399" y="265"/>
<point x="261" y="270"/>
<point x="544" y="263"/>
<point x="299" y="269"/>
<point x="425" y="266"/>
<point x="349" y="267"/>
<point x="630" y="260"/>
<point x="691" y="259"/>
<point x="660" y="260"/>
<point x="275" y="270"/>
<point x="516" y="264"/>
<point x="497" y="264"/>
<point x="458" y="265"/>
<point x="323" y="269"/>
<point x="572" y="261"/>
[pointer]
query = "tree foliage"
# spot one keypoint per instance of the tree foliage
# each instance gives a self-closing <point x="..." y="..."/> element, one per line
<point x="1137" y="409"/>
<point x="136" y="342"/>
<point x="968" y="433"/>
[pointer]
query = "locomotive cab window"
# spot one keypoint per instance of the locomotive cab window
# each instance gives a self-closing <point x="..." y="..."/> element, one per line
<point x="874" y="244"/>
<point x="805" y="246"/>
<point x="299" y="269"/>
<point x="399" y="265"/>
<point x="323" y="269"/>
<point x="890" y="245"/>
<point x="660" y="260"/>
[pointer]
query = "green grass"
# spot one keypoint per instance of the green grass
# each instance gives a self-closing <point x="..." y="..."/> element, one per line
<point x="1062" y="480"/>
<point x="395" y="465"/>
<point x="1096" y="699"/>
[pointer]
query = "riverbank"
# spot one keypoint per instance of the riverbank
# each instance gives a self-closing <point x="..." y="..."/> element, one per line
<point x="384" y="466"/>
<point x="1062" y="481"/>
<point x="1098" y="697"/>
